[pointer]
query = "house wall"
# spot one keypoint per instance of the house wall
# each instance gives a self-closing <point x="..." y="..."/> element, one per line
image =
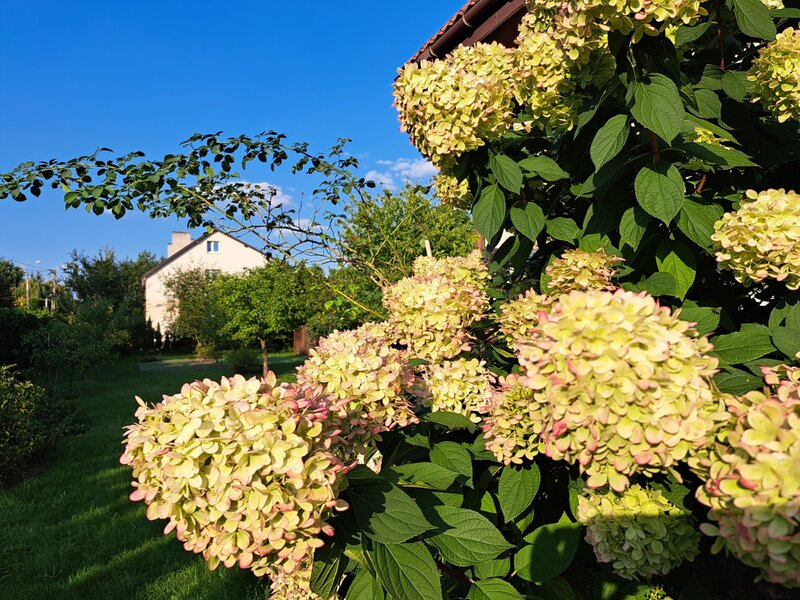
<point x="233" y="257"/>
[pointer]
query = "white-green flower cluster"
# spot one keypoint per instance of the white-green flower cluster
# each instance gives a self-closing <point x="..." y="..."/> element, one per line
<point x="761" y="240"/>
<point x="776" y="75"/>
<point x="622" y="386"/>
<point x="753" y="483"/>
<point x="640" y="532"/>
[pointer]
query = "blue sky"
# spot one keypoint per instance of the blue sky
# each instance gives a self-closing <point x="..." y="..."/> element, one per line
<point x="145" y="75"/>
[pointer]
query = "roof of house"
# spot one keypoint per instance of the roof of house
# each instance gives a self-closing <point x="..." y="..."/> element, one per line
<point x="193" y="244"/>
<point x="477" y="21"/>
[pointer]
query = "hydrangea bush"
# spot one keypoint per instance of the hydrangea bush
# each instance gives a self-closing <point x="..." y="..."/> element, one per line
<point x="579" y="411"/>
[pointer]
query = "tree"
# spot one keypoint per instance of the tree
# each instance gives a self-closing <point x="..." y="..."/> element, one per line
<point x="382" y="236"/>
<point x="379" y="239"/>
<point x="107" y="280"/>
<point x="264" y="302"/>
<point x="10" y="277"/>
<point x="191" y="306"/>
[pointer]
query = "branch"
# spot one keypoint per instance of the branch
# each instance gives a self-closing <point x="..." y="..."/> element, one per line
<point x="720" y="34"/>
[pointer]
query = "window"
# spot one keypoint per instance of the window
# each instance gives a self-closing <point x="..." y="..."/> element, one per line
<point x="212" y="273"/>
<point x="212" y="247"/>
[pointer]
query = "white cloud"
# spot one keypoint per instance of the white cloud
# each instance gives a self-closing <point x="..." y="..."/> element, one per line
<point x="382" y="179"/>
<point x="404" y="169"/>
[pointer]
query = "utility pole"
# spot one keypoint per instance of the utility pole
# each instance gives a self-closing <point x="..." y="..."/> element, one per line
<point x="53" y="293"/>
<point x="27" y="290"/>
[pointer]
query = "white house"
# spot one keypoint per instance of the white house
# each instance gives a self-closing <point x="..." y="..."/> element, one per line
<point x="216" y="252"/>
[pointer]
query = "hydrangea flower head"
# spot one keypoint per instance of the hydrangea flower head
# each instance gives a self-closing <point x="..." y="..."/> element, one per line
<point x="431" y="311"/>
<point x="624" y="386"/>
<point x="761" y="240"/>
<point x="579" y="270"/>
<point x="515" y="421"/>
<point x="776" y="75"/>
<point x="241" y="469"/>
<point x="639" y="532"/>
<point x="753" y="486"/>
<point x="452" y="106"/>
<point x="452" y="191"/>
<point x="462" y="386"/>
<point x="368" y="376"/>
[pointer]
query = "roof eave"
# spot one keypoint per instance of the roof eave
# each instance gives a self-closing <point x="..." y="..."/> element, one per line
<point x="477" y="21"/>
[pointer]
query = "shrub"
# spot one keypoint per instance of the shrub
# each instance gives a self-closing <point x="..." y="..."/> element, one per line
<point x="593" y="392"/>
<point x="22" y="429"/>
<point x="242" y="360"/>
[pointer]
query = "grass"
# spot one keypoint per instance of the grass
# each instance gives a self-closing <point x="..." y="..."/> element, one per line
<point x="69" y="531"/>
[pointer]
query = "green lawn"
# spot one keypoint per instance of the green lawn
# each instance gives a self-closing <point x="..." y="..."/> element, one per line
<point x="70" y="531"/>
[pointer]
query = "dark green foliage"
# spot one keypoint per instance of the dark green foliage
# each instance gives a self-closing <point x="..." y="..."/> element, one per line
<point x="17" y="323"/>
<point x="65" y="348"/>
<point x="379" y="240"/>
<point x="116" y="283"/>
<point x="10" y="277"/>
<point x="263" y="304"/>
<point x="22" y="428"/>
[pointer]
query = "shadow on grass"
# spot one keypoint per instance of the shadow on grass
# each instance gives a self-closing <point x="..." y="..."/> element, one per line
<point x="70" y="532"/>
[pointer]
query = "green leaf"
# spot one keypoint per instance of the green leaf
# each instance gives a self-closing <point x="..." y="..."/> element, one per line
<point x="424" y="474"/>
<point x="490" y="211"/>
<point x="469" y="537"/>
<point x="609" y="140"/>
<point x="632" y="227"/>
<point x="787" y="341"/>
<point x="528" y="221"/>
<point x="327" y="570"/>
<point x="383" y="511"/>
<point x="549" y="551"/>
<point x="407" y="571"/>
<point x="659" y="284"/>
<point x="508" y="173"/>
<point x="786" y="312"/>
<point x="498" y="567"/>
<point x="736" y="85"/>
<point x="493" y="589"/>
<point x="450" y="420"/>
<point x="785" y="13"/>
<point x="660" y="190"/>
<point x="706" y="318"/>
<point x="595" y="241"/>
<point x="715" y="129"/>
<point x="677" y="260"/>
<point x="724" y="158"/>
<point x="605" y="587"/>
<point x="657" y="105"/>
<point x="696" y="221"/>
<point x="545" y="167"/>
<point x="454" y="457"/>
<point x="742" y="346"/>
<point x="711" y="78"/>
<point x="753" y="19"/>
<point x="564" y="229"/>
<point x="708" y="104"/>
<point x="557" y="589"/>
<point x="736" y="381"/>
<point x="365" y="587"/>
<point x="687" y="35"/>
<point x="517" y="489"/>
